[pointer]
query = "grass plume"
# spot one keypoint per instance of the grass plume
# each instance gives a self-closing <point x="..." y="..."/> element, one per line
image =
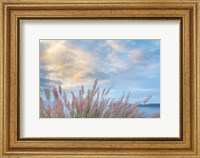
<point x="93" y="104"/>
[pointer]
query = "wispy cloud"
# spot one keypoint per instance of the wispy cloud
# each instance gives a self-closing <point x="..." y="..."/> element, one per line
<point x="135" y="55"/>
<point x="64" y="62"/>
<point x="114" y="44"/>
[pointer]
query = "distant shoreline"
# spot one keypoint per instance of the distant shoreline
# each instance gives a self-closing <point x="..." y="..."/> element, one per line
<point x="150" y="105"/>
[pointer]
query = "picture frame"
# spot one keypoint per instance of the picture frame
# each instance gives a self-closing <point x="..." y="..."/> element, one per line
<point x="13" y="12"/>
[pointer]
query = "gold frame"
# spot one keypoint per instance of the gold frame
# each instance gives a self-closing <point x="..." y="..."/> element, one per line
<point x="13" y="11"/>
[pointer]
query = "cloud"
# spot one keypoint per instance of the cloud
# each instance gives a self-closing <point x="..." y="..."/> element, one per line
<point x="114" y="63"/>
<point x="135" y="55"/>
<point x="45" y="82"/>
<point x="155" y="43"/>
<point x="61" y="61"/>
<point x="79" y="62"/>
<point x="115" y="45"/>
<point x="136" y="89"/>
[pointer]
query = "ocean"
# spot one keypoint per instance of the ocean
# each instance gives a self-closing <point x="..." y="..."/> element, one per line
<point x="150" y="109"/>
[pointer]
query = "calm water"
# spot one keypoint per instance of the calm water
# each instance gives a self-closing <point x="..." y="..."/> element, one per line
<point x="150" y="109"/>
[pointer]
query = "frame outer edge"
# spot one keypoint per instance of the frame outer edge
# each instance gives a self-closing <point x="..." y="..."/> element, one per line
<point x="196" y="44"/>
<point x="97" y="1"/>
<point x="198" y="75"/>
<point x="1" y="79"/>
<point x="1" y="74"/>
<point x="197" y="51"/>
<point x="194" y="66"/>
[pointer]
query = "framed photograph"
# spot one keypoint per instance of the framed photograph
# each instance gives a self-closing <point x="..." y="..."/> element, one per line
<point x="99" y="79"/>
<point x="74" y="66"/>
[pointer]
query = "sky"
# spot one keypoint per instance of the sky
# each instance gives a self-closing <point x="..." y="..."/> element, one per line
<point x="126" y="65"/>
